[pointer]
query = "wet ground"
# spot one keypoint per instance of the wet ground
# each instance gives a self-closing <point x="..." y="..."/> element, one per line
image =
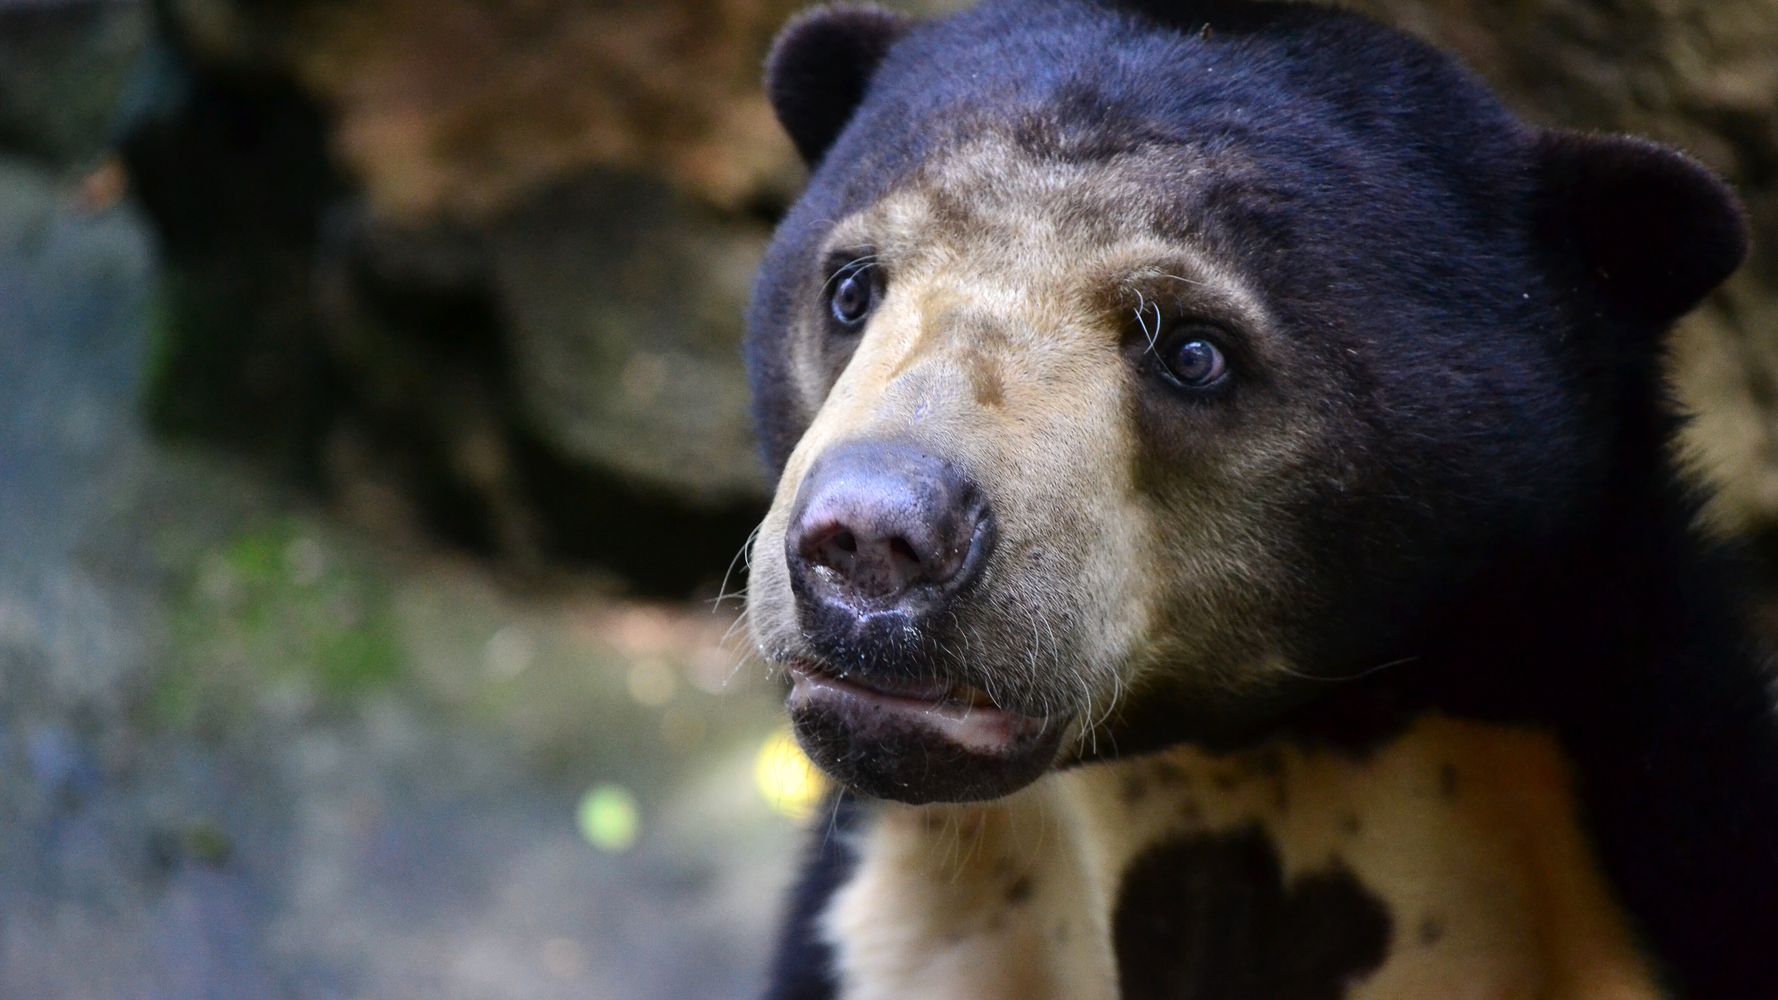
<point x="246" y="751"/>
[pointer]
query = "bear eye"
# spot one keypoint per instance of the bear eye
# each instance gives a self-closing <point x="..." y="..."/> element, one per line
<point x="852" y="294"/>
<point x="1190" y="358"/>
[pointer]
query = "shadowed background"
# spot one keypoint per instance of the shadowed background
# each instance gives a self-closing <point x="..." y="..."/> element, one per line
<point x="374" y="442"/>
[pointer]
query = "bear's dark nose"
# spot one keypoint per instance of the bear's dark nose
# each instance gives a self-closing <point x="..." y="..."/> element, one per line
<point x="881" y="525"/>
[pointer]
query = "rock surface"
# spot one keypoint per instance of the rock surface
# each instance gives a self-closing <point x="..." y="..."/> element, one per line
<point x="512" y="266"/>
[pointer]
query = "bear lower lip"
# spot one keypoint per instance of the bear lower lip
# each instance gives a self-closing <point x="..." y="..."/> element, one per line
<point x="956" y="714"/>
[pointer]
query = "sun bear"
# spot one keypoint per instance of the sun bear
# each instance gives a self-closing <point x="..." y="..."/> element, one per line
<point x="1228" y="543"/>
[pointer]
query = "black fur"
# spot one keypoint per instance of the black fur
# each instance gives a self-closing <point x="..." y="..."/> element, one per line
<point x="803" y="966"/>
<point x="1658" y="232"/>
<point x="820" y="67"/>
<point x="1214" y="918"/>
<point x="1525" y="519"/>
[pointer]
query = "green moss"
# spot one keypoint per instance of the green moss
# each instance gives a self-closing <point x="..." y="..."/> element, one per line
<point x="276" y="607"/>
<point x="175" y="701"/>
<point x="208" y="844"/>
<point x="356" y="659"/>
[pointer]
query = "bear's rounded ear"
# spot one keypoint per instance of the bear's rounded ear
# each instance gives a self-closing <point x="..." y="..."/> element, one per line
<point x="821" y="65"/>
<point x="1655" y="229"/>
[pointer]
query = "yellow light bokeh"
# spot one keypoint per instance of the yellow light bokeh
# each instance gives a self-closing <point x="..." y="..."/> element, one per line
<point x="787" y="779"/>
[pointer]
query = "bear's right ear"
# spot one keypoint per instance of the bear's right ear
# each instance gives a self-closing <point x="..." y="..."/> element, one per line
<point x="819" y="69"/>
<point x="1655" y="230"/>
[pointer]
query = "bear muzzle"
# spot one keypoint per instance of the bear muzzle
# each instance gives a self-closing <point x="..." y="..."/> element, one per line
<point x="885" y="538"/>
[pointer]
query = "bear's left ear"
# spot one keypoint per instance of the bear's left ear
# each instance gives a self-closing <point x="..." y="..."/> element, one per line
<point x="820" y="67"/>
<point x="1655" y="229"/>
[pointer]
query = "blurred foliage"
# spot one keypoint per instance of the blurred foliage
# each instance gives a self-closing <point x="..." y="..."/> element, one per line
<point x="274" y="609"/>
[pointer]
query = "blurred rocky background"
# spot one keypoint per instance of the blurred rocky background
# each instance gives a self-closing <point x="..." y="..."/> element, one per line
<point x="373" y="446"/>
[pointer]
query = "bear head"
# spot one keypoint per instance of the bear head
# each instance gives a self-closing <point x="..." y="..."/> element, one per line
<point x="1129" y="374"/>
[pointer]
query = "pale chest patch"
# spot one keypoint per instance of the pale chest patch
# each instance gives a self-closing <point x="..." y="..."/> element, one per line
<point x="1446" y="864"/>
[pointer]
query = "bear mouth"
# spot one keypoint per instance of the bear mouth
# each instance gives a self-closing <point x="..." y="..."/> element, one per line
<point x="915" y="740"/>
<point x="962" y="714"/>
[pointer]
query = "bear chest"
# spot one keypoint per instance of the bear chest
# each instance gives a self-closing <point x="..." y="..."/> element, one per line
<point x="1446" y="864"/>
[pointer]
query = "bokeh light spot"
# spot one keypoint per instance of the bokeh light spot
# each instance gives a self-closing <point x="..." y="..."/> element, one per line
<point x="509" y="652"/>
<point x="609" y="818"/>
<point x="787" y="779"/>
<point x="652" y="682"/>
